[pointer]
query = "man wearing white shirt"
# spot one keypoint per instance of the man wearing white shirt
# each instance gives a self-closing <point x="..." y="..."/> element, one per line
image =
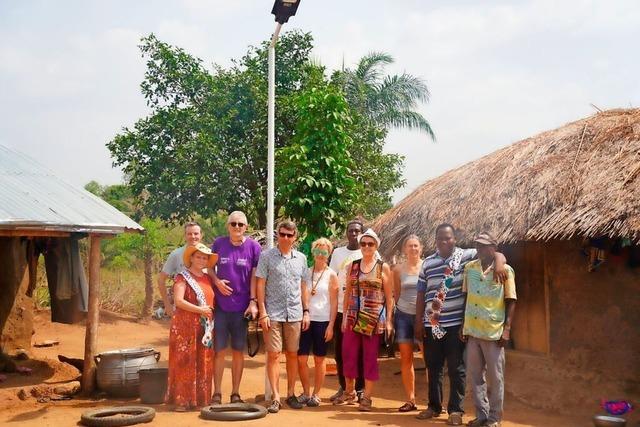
<point x="341" y="258"/>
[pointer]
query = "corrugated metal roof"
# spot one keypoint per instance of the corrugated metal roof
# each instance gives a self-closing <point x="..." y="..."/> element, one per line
<point x="34" y="198"/>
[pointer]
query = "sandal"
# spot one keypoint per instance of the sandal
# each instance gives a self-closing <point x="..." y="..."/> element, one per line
<point x="365" y="404"/>
<point x="216" y="399"/>
<point x="274" y="407"/>
<point x="347" y="398"/>
<point x="408" y="407"/>
<point x="180" y="408"/>
<point x="235" y="398"/>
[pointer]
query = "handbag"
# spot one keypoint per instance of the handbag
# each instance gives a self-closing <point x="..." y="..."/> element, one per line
<point x="365" y="323"/>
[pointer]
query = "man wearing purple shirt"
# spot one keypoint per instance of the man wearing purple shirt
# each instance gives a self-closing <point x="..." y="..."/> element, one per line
<point x="235" y="290"/>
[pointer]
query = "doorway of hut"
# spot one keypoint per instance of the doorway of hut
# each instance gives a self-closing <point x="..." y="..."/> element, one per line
<point x="530" y="329"/>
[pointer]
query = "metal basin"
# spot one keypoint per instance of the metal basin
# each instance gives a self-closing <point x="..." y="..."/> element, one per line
<point x="607" y="421"/>
<point x="117" y="370"/>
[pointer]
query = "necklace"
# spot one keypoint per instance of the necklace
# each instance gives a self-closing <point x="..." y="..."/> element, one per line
<point x="314" y="286"/>
<point x="375" y="262"/>
<point x="486" y="272"/>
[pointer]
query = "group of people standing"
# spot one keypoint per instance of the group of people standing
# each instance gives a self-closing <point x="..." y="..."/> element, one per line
<point x="444" y="303"/>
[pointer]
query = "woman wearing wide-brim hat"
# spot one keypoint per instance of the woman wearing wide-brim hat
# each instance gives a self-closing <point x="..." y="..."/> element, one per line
<point x="191" y="335"/>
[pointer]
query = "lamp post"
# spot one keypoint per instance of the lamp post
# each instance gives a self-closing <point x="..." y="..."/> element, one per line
<point x="283" y="10"/>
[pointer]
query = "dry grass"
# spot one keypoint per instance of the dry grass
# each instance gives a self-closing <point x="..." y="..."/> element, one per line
<point x="120" y="291"/>
<point x="582" y="179"/>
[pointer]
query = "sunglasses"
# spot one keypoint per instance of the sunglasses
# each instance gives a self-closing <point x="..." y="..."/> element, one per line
<point x="237" y="224"/>
<point x="319" y="252"/>
<point x="369" y="244"/>
<point x="287" y="235"/>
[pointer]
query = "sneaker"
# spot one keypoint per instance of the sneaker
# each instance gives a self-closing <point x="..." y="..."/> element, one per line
<point x="455" y="419"/>
<point x="359" y="394"/>
<point x="348" y="398"/>
<point x="313" y="401"/>
<point x="293" y="403"/>
<point x="337" y="394"/>
<point x="365" y="404"/>
<point x="274" y="407"/>
<point x="476" y="422"/>
<point x="304" y="399"/>
<point x="427" y="414"/>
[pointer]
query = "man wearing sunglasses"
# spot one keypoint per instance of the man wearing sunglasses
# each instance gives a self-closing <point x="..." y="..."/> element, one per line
<point x="235" y="290"/>
<point x="283" y="301"/>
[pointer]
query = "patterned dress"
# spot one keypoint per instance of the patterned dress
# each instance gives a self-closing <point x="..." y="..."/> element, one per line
<point x="190" y="362"/>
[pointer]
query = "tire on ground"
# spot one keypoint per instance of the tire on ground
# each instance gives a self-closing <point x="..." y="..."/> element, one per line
<point x="112" y="417"/>
<point x="233" y="412"/>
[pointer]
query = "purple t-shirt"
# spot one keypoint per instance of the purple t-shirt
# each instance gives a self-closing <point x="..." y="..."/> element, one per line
<point x="235" y="264"/>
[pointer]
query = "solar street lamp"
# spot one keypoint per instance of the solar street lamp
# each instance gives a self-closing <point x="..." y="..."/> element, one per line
<point x="283" y="10"/>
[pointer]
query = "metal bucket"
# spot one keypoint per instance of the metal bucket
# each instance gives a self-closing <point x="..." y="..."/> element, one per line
<point x="153" y="384"/>
<point x="117" y="370"/>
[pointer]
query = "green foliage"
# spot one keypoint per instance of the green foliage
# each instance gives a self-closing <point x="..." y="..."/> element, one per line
<point x="386" y="101"/>
<point x="317" y="172"/>
<point x="203" y="147"/>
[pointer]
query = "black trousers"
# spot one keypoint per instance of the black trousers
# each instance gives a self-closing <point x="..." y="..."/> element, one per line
<point x="436" y="352"/>
<point x="337" y="336"/>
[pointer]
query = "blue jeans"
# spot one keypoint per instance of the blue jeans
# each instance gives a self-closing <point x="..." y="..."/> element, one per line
<point x="403" y="324"/>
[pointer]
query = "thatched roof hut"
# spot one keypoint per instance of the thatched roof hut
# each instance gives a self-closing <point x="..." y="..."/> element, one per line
<point x="582" y="179"/>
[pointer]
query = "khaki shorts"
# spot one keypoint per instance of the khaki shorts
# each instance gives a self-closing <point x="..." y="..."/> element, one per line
<point x="289" y="330"/>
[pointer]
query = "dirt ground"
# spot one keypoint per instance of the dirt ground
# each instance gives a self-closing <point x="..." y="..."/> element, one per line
<point x="121" y="332"/>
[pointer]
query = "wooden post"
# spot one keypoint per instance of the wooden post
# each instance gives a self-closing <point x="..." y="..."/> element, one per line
<point x="93" y="317"/>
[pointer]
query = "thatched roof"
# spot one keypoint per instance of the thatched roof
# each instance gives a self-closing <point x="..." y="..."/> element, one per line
<point x="582" y="179"/>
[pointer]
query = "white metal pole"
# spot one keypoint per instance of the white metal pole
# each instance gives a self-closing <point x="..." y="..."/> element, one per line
<point x="271" y="160"/>
<point x="271" y="139"/>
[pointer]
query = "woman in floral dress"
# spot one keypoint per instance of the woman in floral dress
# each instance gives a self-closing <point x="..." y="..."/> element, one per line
<point x="191" y="336"/>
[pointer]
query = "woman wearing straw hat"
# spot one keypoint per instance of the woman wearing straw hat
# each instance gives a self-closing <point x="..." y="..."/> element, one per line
<point x="368" y="293"/>
<point x="191" y="335"/>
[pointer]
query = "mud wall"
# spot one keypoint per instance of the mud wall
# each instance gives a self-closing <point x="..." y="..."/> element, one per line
<point x="16" y="308"/>
<point x="594" y="334"/>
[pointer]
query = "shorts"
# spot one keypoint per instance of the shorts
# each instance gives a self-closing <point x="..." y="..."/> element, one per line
<point x="314" y="337"/>
<point x="403" y="324"/>
<point x="229" y="323"/>
<point x="290" y="331"/>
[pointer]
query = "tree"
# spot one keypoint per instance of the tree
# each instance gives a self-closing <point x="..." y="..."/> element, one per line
<point x="387" y="101"/>
<point x="318" y="176"/>
<point x="203" y="148"/>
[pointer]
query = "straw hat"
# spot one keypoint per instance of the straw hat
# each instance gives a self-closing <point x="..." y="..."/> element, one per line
<point x="189" y="250"/>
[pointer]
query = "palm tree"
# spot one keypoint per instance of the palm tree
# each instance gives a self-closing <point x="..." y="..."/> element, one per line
<point x="387" y="101"/>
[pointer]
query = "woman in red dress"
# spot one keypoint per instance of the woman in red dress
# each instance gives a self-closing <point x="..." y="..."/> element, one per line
<point x="191" y="336"/>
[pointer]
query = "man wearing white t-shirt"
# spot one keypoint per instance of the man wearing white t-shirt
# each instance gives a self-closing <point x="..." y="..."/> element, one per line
<point x="174" y="264"/>
<point x="341" y="258"/>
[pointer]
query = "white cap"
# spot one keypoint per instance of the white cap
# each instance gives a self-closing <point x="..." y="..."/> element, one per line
<point x="370" y="233"/>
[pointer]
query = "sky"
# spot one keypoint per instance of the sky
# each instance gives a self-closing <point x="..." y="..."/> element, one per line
<point x="498" y="71"/>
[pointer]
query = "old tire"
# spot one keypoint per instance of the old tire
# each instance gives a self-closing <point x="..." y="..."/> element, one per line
<point x="113" y="416"/>
<point x="233" y="412"/>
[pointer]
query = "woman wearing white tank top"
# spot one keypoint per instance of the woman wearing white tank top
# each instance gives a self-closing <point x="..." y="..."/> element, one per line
<point x="323" y="306"/>
<point x="405" y="279"/>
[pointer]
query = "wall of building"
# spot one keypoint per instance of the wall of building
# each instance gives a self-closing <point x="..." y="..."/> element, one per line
<point x="593" y="331"/>
<point x="16" y="307"/>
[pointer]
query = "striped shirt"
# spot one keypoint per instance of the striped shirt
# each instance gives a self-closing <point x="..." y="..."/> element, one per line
<point x="430" y="279"/>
